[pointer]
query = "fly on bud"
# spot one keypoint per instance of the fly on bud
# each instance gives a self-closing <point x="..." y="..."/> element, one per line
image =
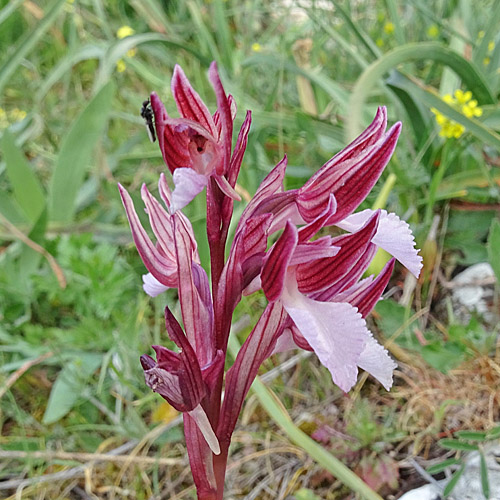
<point x="147" y="115"/>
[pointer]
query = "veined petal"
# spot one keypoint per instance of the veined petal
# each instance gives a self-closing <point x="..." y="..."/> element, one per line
<point x="336" y="332"/>
<point x="189" y="103"/>
<point x="365" y="294"/>
<point x="393" y="235"/>
<point x="162" y="268"/>
<point x="350" y="180"/>
<point x="309" y="230"/>
<point x="256" y="348"/>
<point x="226" y="121"/>
<point x="166" y="196"/>
<point x="278" y="259"/>
<point x="308" y="252"/>
<point x="175" y="376"/>
<point x="188" y="184"/>
<point x="195" y="300"/>
<point x="376" y="361"/>
<point x="152" y="286"/>
<point x="239" y="150"/>
<point x="161" y="223"/>
<point x="318" y="275"/>
<point x="369" y="136"/>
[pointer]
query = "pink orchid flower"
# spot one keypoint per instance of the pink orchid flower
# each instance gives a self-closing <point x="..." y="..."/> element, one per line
<point x="196" y="146"/>
<point x="317" y="298"/>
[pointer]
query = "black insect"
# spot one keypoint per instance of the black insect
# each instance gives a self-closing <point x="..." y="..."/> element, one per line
<point x="147" y="114"/>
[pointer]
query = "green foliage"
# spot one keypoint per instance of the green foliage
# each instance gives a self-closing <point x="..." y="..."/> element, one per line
<point x="466" y="441"/>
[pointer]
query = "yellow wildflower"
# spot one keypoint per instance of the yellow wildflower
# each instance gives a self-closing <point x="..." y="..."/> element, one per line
<point x="256" y="47"/>
<point x="486" y="61"/>
<point x="388" y="28"/>
<point x="491" y="46"/>
<point x="480" y="34"/>
<point x="120" y="65"/>
<point x="124" y="31"/>
<point x="463" y="102"/>
<point x="433" y="31"/>
<point x="131" y="52"/>
<point x="379" y="42"/>
<point x="17" y="115"/>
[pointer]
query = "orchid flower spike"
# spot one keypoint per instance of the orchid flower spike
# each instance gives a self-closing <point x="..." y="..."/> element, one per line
<point x="313" y="282"/>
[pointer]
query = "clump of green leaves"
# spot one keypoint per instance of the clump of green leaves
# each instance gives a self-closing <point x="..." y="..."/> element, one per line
<point x="466" y="441"/>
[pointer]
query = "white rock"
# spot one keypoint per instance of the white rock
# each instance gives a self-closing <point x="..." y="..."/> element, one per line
<point x="427" y="492"/>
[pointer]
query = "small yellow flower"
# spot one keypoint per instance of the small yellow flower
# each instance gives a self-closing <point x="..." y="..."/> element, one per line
<point x="124" y="31"/>
<point x="120" y="65"/>
<point x="480" y="34"/>
<point x="462" y="97"/>
<point x="256" y="47"/>
<point x="17" y="115"/>
<point x="388" y="28"/>
<point x="131" y="52"/>
<point x="486" y="61"/>
<point x="379" y="42"/>
<point x="491" y="46"/>
<point x="463" y="102"/>
<point x="433" y="31"/>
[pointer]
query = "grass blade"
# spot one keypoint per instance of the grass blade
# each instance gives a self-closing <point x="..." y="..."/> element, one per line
<point x="26" y="189"/>
<point x="75" y="154"/>
<point x="28" y="42"/>
<point x="485" y="484"/>
<point x="490" y="33"/>
<point x="453" y="481"/>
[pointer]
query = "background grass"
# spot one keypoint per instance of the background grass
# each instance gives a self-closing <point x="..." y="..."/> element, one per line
<point x="74" y="319"/>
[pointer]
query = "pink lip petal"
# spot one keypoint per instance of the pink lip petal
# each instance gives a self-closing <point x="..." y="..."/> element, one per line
<point x="393" y="235"/>
<point x="336" y="332"/>
<point x="187" y="185"/>
<point x="376" y="361"/>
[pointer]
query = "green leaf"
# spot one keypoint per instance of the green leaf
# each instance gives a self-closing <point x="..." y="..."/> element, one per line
<point x="471" y="435"/>
<point x="453" y="444"/>
<point x="75" y="154"/>
<point x="440" y="467"/>
<point x="69" y="385"/>
<point x="453" y="481"/>
<point x="493" y="247"/>
<point x="27" y="190"/>
<point x="372" y="75"/>
<point x="494" y="433"/>
<point x="28" y="42"/>
<point x="485" y="484"/>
